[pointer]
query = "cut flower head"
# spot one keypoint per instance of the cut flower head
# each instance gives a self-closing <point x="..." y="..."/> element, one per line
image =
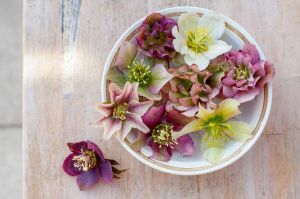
<point x="123" y="112"/>
<point x="197" y="38"/>
<point x="217" y="128"/>
<point x="89" y="165"/>
<point x="131" y="65"/>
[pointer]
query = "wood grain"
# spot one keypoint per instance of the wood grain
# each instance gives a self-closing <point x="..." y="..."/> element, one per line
<point x="66" y="43"/>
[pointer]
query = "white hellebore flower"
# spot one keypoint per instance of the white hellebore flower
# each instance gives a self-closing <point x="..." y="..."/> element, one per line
<point x="197" y="38"/>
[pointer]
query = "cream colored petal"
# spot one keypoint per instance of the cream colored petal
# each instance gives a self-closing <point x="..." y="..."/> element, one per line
<point x="218" y="47"/>
<point x="213" y="154"/>
<point x="193" y="126"/>
<point x="213" y="23"/>
<point x="229" y="108"/>
<point x="201" y="61"/>
<point x="240" y="131"/>
<point x="204" y="114"/>
<point x="188" y="22"/>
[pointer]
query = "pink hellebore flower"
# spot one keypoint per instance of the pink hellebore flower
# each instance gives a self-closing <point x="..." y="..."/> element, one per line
<point x="124" y="111"/>
<point x="159" y="138"/>
<point x="247" y="75"/>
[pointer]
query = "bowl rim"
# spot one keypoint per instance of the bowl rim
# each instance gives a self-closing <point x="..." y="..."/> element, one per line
<point x="243" y="149"/>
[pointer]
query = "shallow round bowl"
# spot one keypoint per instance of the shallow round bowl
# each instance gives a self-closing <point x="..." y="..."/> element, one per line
<point x="255" y="112"/>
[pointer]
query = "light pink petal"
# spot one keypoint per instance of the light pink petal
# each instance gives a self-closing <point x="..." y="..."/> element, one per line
<point x="129" y="93"/>
<point x="252" y="51"/>
<point x="105" y="109"/>
<point x="114" y="91"/>
<point x="185" y="101"/>
<point x="247" y="95"/>
<point x="126" y="55"/>
<point x="133" y="121"/>
<point x="160" y="77"/>
<point x="111" y="126"/>
<point x="139" y="108"/>
<point x="269" y="71"/>
<point x="185" y="145"/>
<point x="228" y="91"/>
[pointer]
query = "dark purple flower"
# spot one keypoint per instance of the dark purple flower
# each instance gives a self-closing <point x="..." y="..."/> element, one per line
<point x="89" y="165"/>
<point x="247" y="74"/>
<point x="159" y="139"/>
<point x="155" y="36"/>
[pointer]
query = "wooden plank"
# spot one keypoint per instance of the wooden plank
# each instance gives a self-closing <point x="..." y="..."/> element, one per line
<point x="66" y="43"/>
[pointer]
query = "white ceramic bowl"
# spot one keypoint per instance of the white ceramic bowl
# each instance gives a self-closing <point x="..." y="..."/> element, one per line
<point x="255" y="112"/>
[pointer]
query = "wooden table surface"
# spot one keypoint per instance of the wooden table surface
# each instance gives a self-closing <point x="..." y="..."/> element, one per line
<point x="66" y="43"/>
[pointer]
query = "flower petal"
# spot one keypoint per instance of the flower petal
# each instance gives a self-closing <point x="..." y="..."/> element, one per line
<point x="188" y="22"/>
<point x="105" y="109"/>
<point x="218" y="47"/>
<point x="193" y="126"/>
<point x="269" y="73"/>
<point x="177" y="120"/>
<point x="228" y="108"/>
<point x="129" y="93"/>
<point x="213" y="154"/>
<point x="94" y="147"/>
<point x="201" y="61"/>
<point x="133" y="121"/>
<point x="111" y="126"/>
<point x="139" y="108"/>
<point x="126" y="55"/>
<point x="88" y="179"/>
<point x="252" y="51"/>
<point x="160" y="77"/>
<point x="213" y="23"/>
<point x="116" y="76"/>
<point x="105" y="170"/>
<point x="77" y="147"/>
<point x="162" y="154"/>
<point x="240" y="131"/>
<point x="247" y="95"/>
<point x="204" y="114"/>
<point x="154" y="116"/>
<point x="68" y="166"/>
<point x="114" y="91"/>
<point x="145" y="92"/>
<point x="185" y="145"/>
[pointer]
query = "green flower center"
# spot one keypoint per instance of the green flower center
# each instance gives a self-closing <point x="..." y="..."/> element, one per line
<point x="198" y="40"/>
<point x="162" y="135"/>
<point x="217" y="131"/>
<point x="138" y="72"/>
<point x="241" y="72"/>
<point x="120" y="111"/>
<point x="85" y="161"/>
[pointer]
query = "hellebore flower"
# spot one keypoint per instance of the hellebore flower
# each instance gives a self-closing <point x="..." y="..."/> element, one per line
<point x="124" y="111"/>
<point x="133" y="66"/>
<point x="160" y="139"/>
<point x="189" y="87"/>
<point x="197" y="38"/>
<point x="155" y="36"/>
<point x="217" y="130"/>
<point x="247" y="74"/>
<point x="89" y="165"/>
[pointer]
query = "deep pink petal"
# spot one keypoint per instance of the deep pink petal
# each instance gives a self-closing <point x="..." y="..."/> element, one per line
<point x="177" y="120"/>
<point x="88" y="179"/>
<point x="185" y="145"/>
<point x="68" y="166"/>
<point x="227" y="91"/>
<point x="161" y="154"/>
<point x="77" y="147"/>
<point x="154" y="116"/>
<point x="106" y="171"/>
<point x="269" y="73"/>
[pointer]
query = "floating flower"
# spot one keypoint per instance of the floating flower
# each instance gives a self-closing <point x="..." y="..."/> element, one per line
<point x="217" y="130"/>
<point x="89" y="165"/>
<point x="155" y="36"/>
<point x="124" y="111"/>
<point x="190" y="86"/>
<point x="247" y="75"/>
<point x="134" y="67"/>
<point x="160" y="139"/>
<point x="197" y="38"/>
